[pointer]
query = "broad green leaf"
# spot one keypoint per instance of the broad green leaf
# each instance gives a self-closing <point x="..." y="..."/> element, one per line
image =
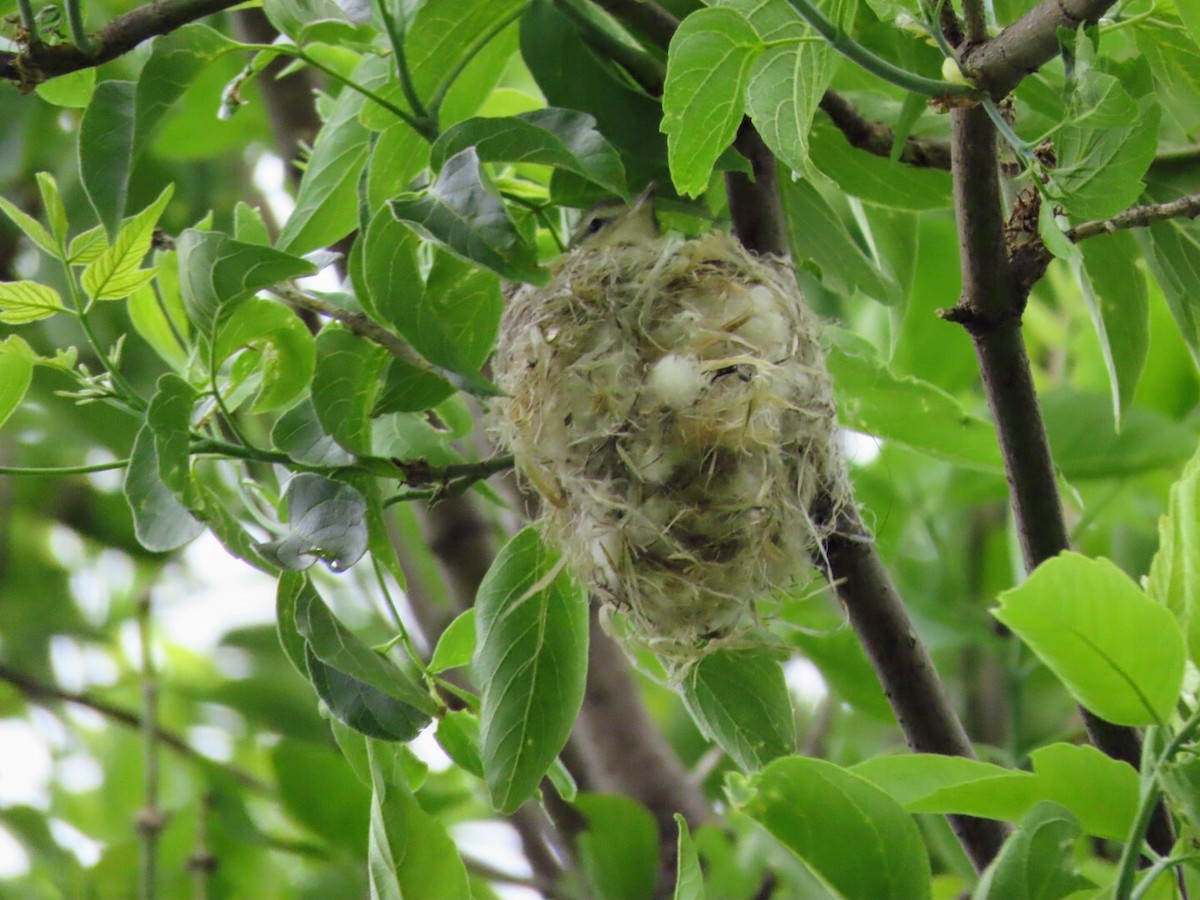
<point x="1115" y="290"/>
<point x="563" y="138"/>
<point x="820" y="238"/>
<point x="298" y="433"/>
<point x="456" y="646"/>
<point x="444" y="32"/>
<point x="291" y="17"/>
<point x="458" y="735"/>
<point x="1100" y="791"/>
<point x="157" y="313"/>
<point x="1037" y="862"/>
<point x="1180" y="779"/>
<point x="856" y="839"/>
<point x="16" y="374"/>
<point x="1080" y="429"/>
<point x="175" y="61"/>
<point x="409" y="854"/>
<point x="874" y="178"/>
<point x="117" y="272"/>
<point x="327" y="202"/>
<point x="30" y="227"/>
<point x="531" y="660"/>
<point x="169" y="417"/>
<point x="708" y="68"/>
<point x="106" y="150"/>
<point x="929" y="782"/>
<point x="1172" y="252"/>
<point x="292" y="585"/>
<point x="73" y="90"/>
<point x="344" y="384"/>
<point x="22" y="302"/>
<point x="160" y="521"/>
<point x="215" y="270"/>
<point x="1175" y="570"/>
<point x="326" y="521"/>
<point x="397" y="155"/>
<point x="1118" y="652"/>
<point x="1189" y="13"/>
<point x="619" y="847"/>
<point x="318" y="789"/>
<point x="282" y="343"/>
<point x="874" y="400"/>
<point x="462" y="211"/>
<point x="740" y="700"/>
<point x="249" y="226"/>
<point x="689" y="877"/>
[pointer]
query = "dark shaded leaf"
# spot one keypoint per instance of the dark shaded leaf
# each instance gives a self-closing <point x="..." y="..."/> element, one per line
<point x="326" y="521"/>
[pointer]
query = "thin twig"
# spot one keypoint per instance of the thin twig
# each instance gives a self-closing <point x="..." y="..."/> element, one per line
<point x="150" y="820"/>
<point x="202" y="863"/>
<point x="1139" y="217"/>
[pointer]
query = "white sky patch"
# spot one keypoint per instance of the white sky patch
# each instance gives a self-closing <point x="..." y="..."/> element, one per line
<point x="860" y="449"/>
<point x="25" y="774"/>
<point x="268" y="176"/>
<point x="805" y="681"/>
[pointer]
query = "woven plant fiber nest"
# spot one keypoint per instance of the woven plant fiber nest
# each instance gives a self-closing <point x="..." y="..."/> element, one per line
<point x="668" y="399"/>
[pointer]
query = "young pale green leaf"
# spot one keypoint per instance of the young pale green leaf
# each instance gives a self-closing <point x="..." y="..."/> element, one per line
<point x="819" y="236"/>
<point x="619" y="848"/>
<point x="1038" y="861"/>
<point x="160" y="521"/>
<point x="286" y="348"/>
<point x="874" y="400"/>
<point x="116" y="273"/>
<point x="344" y="383"/>
<point x="249" y="227"/>
<point x="531" y="659"/>
<point x="708" y="68"/>
<point x="1115" y="290"/>
<point x="855" y="838"/>
<point x="87" y="246"/>
<point x="22" y="302"/>
<point x="16" y="374"/>
<point x="689" y="877"/>
<point x="158" y="315"/>
<point x="458" y="735"/>
<point x="463" y="212"/>
<point x="1118" y="652"/>
<point x="73" y="90"/>
<point x="456" y="646"/>
<point x="409" y="854"/>
<point x="927" y="782"/>
<point x="326" y="521"/>
<point x="56" y="212"/>
<point x="563" y="138"/>
<point x="215" y="270"/>
<point x="740" y="700"/>
<point x="169" y="417"/>
<point x="106" y="150"/>
<point x="327" y="201"/>
<point x="1175" y="570"/>
<point x="30" y="227"/>
<point x="1099" y="791"/>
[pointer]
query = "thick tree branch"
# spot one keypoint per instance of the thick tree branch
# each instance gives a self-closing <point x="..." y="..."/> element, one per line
<point x="40" y="62"/>
<point x="998" y="65"/>
<point x="755" y="203"/>
<point x="877" y="138"/>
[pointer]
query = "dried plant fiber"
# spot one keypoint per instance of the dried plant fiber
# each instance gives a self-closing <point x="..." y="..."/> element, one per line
<point x="668" y="400"/>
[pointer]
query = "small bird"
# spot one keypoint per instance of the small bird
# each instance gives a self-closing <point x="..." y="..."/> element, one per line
<point x="610" y="223"/>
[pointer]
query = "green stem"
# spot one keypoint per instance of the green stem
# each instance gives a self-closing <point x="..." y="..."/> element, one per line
<point x="485" y="37"/>
<point x="127" y="394"/>
<point x="75" y="25"/>
<point x="396" y="37"/>
<point x="29" y="21"/>
<point x="64" y="470"/>
<point x="857" y="53"/>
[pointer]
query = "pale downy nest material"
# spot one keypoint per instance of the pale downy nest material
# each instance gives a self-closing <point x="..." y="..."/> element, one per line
<point x="669" y="401"/>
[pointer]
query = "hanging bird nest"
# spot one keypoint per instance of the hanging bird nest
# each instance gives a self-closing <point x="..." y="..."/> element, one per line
<point x="668" y="399"/>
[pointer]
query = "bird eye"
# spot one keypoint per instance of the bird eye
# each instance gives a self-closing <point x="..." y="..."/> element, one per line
<point x="596" y="224"/>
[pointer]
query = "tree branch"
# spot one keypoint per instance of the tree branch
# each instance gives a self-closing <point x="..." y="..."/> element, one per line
<point x="877" y="138"/>
<point x="40" y="62"/>
<point x="998" y="65"/>
<point x="1139" y="217"/>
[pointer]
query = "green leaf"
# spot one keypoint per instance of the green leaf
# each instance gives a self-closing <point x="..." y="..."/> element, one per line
<point x="563" y="138"/>
<point x="116" y="273"/>
<point x="215" y="270"/>
<point x="458" y="735"/>
<point x="30" y="227"/>
<point x="326" y="521"/>
<point x="169" y="417"/>
<point x="56" y="212"/>
<point x="928" y="782"/>
<point x="327" y="201"/>
<point x="856" y="839"/>
<point x="1172" y="252"/>
<point x="160" y="521"/>
<point x="782" y="94"/>
<point x="87" y="246"/>
<point x="531" y="659"/>
<point x="456" y="646"/>
<point x="73" y="90"/>
<point x="292" y="585"/>
<point x="740" y="700"/>
<point x="689" y="877"/>
<point x="1100" y="791"/>
<point x="284" y="347"/>
<point x="444" y="32"/>
<point x="1037" y="862"/>
<point x="874" y="178"/>
<point x="1118" y="652"/>
<point x="159" y="317"/>
<point x="819" y="237"/>
<point x="619" y="847"/>
<point x="16" y="374"/>
<point x="298" y="433"/>
<point x="463" y="212"/>
<point x="1115" y="290"/>
<point x="1080" y="429"/>
<point x="410" y="853"/>
<point x="344" y="384"/>
<point x="874" y="400"/>
<point x="291" y="17"/>
<point x="1174" y="578"/>
<point x="338" y="811"/>
<point x="22" y="302"/>
<point x="106" y="150"/>
<point x="708" y="68"/>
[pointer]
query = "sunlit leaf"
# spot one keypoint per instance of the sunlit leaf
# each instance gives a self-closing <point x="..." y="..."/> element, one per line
<point x="22" y="302"/>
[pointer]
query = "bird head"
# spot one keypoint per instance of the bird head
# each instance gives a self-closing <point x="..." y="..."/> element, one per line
<point x="611" y="223"/>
